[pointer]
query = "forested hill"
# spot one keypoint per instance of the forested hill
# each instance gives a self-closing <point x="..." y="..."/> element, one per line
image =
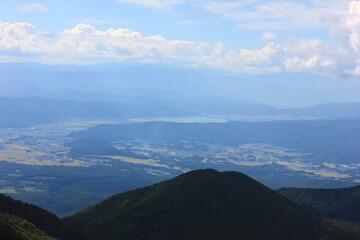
<point x="14" y="228"/>
<point x="342" y="203"/>
<point x="202" y="204"/>
<point x="43" y="220"/>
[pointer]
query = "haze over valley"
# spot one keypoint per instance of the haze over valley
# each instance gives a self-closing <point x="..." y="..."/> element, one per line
<point x="59" y="143"/>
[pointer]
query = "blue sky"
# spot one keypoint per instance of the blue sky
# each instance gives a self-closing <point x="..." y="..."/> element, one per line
<point x="248" y="36"/>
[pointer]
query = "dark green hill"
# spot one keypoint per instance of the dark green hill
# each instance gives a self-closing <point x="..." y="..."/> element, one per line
<point x="45" y="221"/>
<point x="202" y="204"/>
<point x="342" y="203"/>
<point x="14" y="228"/>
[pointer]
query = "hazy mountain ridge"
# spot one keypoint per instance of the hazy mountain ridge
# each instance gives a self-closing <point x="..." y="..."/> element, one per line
<point x="200" y="104"/>
<point x="330" y="110"/>
<point x="29" y="111"/>
<point x="22" y="112"/>
<point x="283" y="89"/>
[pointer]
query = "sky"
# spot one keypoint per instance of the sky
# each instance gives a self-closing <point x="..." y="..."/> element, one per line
<point x="248" y="36"/>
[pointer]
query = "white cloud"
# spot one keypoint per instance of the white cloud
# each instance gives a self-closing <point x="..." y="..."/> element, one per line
<point x="258" y="14"/>
<point x="32" y="7"/>
<point x="272" y="14"/>
<point x="340" y="59"/>
<point x="297" y="64"/>
<point x="159" y="4"/>
<point x="100" y="21"/>
<point x="313" y="55"/>
<point x="20" y="38"/>
<point x="186" y="22"/>
<point x="355" y="71"/>
<point x="269" y="36"/>
<point x="84" y="44"/>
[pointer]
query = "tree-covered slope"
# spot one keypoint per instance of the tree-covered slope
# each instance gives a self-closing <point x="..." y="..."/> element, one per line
<point x="202" y="204"/>
<point x="45" y="221"/>
<point x="342" y="203"/>
<point x="14" y="228"/>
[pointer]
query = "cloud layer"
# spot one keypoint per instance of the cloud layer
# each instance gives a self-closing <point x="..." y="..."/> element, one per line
<point x="84" y="44"/>
<point x="275" y="14"/>
<point x="37" y="7"/>
<point x="257" y="14"/>
<point x="159" y="4"/>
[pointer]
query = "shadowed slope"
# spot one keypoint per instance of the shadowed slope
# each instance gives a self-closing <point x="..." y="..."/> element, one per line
<point x="342" y="203"/>
<point x="42" y="219"/>
<point x="202" y="204"/>
<point x="14" y="228"/>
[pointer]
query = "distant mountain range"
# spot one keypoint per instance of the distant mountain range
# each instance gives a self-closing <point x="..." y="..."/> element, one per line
<point x="23" y="112"/>
<point x="198" y="104"/>
<point x="29" y="111"/>
<point x="278" y="89"/>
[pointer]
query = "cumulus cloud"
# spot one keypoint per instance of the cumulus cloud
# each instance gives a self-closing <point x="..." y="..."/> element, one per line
<point x="346" y="25"/>
<point x="84" y="44"/>
<point x="20" y="37"/>
<point x="313" y="55"/>
<point x="341" y="59"/>
<point x="32" y="7"/>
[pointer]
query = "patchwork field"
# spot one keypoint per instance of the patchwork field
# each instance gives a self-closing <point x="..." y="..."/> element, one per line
<point x="38" y="166"/>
